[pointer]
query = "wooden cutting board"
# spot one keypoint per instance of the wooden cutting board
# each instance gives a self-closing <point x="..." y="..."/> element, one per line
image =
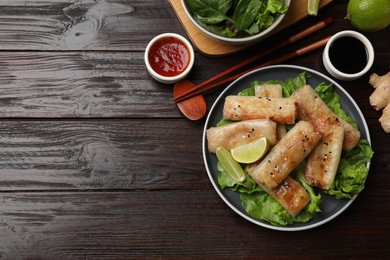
<point x="210" y="47"/>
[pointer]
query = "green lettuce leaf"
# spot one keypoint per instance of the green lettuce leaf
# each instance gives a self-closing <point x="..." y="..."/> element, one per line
<point x="276" y="6"/>
<point x="332" y="100"/>
<point x="248" y="186"/>
<point x="245" y="13"/>
<point x="210" y="11"/>
<point x="352" y="171"/>
<point x="258" y="204"/>
<point x="255" y="201"/>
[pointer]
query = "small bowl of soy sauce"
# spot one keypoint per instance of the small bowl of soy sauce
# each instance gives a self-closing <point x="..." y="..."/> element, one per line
<point x="348" y="55"/>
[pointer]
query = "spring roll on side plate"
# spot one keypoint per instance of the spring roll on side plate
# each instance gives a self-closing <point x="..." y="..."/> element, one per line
<point x="286" y="155"/>
<point x="312" y="108"/>
<point x="239" y="133"/>
<point x="280" y="110"/>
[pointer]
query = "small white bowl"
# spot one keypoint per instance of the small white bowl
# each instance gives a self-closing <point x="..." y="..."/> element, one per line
<point x="170" y="79"/>
<point x="339" y="74"/>
<point x="250" y="39"/>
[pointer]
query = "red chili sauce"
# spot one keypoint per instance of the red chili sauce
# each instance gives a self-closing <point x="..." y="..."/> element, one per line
<point x="169" y="56"/>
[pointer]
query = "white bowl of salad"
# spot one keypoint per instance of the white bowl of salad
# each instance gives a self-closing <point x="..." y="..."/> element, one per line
<point x="236" y="22"/>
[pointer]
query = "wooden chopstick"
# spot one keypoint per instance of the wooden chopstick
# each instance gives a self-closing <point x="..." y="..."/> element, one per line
<point x="296" y="53"/>
<point x="261" y="54"/>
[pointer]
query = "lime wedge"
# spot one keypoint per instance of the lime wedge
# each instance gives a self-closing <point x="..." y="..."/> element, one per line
<point x="312" y="7"/>
<point x="231" y="166"/>
<point x="251" y="152"/>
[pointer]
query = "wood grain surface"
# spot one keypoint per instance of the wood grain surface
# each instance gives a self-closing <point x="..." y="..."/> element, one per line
<point x="97" y="162"/>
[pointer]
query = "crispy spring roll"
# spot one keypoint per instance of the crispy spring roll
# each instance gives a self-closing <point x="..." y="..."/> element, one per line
<point x="312" y="108"/>
<point x="286" y="155"/>
<point x="239" y="133"/>
<point x="322" y="162"/>
<point x="268" y="90"/>
<point x="290" y="194"/>
<point x="272" y="91"/>
<point x="280" y="110"/>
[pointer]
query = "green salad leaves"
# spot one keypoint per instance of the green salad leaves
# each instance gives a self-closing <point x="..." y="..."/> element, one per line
<point x="260" y="205"/>
<point x="231" y="18"/>
<point x="352" y="171"/>
<point x="349" y="180"/>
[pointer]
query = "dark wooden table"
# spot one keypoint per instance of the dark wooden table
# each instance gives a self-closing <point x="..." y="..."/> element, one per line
<point x="96" y="161"/>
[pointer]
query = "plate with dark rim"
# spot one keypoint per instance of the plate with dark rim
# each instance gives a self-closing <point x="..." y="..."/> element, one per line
<point x="330" y="206"/>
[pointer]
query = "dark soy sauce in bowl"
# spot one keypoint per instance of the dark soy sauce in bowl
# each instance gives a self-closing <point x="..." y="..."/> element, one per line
<point x="348" y="55"/>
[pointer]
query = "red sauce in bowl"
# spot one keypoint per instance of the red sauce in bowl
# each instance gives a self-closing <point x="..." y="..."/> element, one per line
<point x="169" y="56"/>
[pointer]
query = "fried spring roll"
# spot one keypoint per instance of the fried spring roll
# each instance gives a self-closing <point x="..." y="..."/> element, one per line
<point x="312" y="108"/>
<point x="322" y="162"/>
<point x="280" y="110"/>
<point x="286" y="155"/>
<point x="290" y="194"/>
<point x="268" y="90"/>
<point x="272" y="91"/>
<point x="239" y="133"/>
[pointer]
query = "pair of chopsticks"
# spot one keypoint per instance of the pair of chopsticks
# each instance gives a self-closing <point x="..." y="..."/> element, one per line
<point x="200" y="89"/>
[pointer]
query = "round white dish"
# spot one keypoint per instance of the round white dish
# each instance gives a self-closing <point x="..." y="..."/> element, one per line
<point x="173" y="79"/>
<point x="339" y="74"/>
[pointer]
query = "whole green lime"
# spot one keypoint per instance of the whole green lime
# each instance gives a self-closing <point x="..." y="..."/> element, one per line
<point x="369" y="15"/>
